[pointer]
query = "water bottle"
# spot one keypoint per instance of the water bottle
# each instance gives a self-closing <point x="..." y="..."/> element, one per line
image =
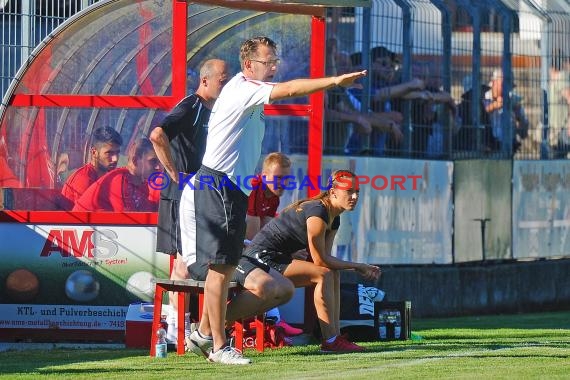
<point x="397" y="325"/>
<point x="382" y="325"/>
<point x="161" y="345"/>
<point x="390" y="326"/>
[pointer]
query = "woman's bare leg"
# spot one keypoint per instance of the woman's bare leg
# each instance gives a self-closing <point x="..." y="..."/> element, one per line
<point x="304" y="273"/>
<point x="337" y="301"/>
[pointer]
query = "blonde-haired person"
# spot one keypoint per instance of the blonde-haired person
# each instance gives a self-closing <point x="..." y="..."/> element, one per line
<point x="263" y="202"/>
<point x="269" y="272"/>
<point x="267" y="188"/>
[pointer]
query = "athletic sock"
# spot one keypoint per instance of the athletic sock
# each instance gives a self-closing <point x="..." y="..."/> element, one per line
<point x="331" y="340"/>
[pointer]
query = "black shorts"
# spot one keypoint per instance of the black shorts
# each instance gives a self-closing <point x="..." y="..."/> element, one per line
<point x="168" y="227"/>
<point x="213" y="214"/>
<point x="274" y="260"/>
<point x="199" y="271"/>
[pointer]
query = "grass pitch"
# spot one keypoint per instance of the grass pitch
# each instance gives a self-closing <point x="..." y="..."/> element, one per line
<point x="526" y="346"/>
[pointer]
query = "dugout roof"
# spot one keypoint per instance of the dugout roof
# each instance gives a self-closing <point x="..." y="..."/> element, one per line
<point x="125" y="63"/>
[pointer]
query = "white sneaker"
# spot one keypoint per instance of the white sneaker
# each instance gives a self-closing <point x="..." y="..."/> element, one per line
<point x="198" y="345"/>
<point x="228" y="355"/>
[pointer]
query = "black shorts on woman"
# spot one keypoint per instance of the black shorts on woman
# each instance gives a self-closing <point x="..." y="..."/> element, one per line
<point x="274" y="246"/>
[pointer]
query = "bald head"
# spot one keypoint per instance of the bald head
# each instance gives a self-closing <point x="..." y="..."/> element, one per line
<point x="213" y="76"/>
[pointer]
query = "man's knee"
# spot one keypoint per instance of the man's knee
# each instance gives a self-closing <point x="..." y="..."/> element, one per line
<point x="267" y="287"/>
<point x="279" y="290"/>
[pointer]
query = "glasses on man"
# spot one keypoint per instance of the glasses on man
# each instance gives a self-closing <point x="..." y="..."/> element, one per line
<point x="270" y="63"/>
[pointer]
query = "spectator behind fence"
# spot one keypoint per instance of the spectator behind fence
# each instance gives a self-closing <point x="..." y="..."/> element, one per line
<point x="347" y="127"/>
<point x="269" y="270"/>
<point x="212" y="219"/>
<point x="179" y="142"/>
<point x="387" y="94"/>
<point x="428" y="113"/>
<point x="494" y="107"/>
<point x="104" y="150"/>
<point x="124" y="189"/>
<point x="558" y="107"/>
<point x="466" y="137"/>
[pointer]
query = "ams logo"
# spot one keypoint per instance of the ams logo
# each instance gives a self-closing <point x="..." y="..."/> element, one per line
<point x="87" y="243"/>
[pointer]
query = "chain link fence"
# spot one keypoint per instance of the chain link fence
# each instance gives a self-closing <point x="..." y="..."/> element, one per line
<point x="24" y="24"/>
<point x="461" y="79"/>
<point x="447" y="79"/>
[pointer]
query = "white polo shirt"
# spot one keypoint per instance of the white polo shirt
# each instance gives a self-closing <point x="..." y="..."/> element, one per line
<point x="236" y="128"/>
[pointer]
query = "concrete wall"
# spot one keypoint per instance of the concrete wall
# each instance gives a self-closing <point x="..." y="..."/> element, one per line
<point x="437" y="291"/>
<point x="482" y="189"/>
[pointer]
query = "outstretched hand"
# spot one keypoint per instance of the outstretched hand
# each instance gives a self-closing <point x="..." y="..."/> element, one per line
<point x="347" y="80"/>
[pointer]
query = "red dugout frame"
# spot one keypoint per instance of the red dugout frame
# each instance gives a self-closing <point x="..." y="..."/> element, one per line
<point x="313" y="110"/>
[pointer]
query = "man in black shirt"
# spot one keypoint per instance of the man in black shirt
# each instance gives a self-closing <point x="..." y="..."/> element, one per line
<point x="180" y="141"/>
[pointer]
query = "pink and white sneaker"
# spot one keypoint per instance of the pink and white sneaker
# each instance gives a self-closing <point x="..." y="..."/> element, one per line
<point x="288" y="329"/>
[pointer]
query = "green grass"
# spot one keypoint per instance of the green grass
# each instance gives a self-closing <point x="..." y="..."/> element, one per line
<point x="529" y="346"/>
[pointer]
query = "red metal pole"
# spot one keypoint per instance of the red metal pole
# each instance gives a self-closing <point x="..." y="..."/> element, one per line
<point x="179" y="35"/>
<point x="315" y="150"/>
<point x="316" y="102"/>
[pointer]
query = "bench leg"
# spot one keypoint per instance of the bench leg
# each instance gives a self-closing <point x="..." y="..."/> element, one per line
<point x="238" y="334"/>
<point x="180" y="338"/>
<point x="260" y="332"/>
<point x="200" y="304"/>
<point x="180" y="350"/>
<point x="156" y="318"/>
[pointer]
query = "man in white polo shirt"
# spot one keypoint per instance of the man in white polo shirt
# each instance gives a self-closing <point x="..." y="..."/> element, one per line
<point x="214" y="203"/>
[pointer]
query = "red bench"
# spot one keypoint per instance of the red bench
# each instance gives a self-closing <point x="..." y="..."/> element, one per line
<point x="193" y="287"/>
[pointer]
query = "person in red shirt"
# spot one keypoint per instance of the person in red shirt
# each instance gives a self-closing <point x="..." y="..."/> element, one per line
<point x="263" y="202"/>
<point x="124" y="189"/>
<point x="104" y="155"/>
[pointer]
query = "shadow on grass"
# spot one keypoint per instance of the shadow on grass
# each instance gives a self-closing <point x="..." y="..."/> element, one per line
<point x="44" y="361"/>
